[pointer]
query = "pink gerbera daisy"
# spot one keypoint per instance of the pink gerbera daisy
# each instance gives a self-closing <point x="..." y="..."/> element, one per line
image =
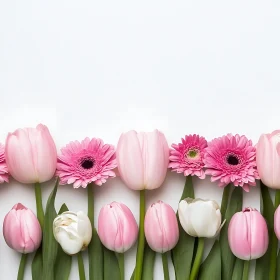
<point x="89" y="161"/>
<point x="232" y="159"/>
<point x="187" y="156"/>
<point x="4" y="174"/>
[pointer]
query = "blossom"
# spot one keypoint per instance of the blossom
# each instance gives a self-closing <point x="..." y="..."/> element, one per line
<point x="4" y="176"/>
<point x="187" y="156"/>
<point x="89" y="161"/>
<point x="232" y="159"/>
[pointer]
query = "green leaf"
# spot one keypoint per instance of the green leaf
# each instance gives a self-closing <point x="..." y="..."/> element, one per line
<point x="238" y="269"/>
<point x="95" y="251"/>
<point x="263" y="263"/>
<point x="148" y="265"/>
<point x="63" y="261"/>
<point x="111" y="265"/>
<point x="182" y="254"/>
<point x="49" y="243"/>
<point x="211" y="268"/>
<point x="37" y="265"/>
<point x="228" y="259"/>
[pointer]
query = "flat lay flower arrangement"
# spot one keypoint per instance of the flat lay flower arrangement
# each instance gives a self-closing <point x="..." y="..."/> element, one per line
<point x="240" y="232"/>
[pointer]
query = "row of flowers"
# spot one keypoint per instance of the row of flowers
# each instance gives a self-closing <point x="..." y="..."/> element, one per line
<point x="142" y="159"/>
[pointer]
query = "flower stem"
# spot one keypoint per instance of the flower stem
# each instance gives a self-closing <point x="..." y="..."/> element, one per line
<point x="90" y="204"/>
<point x="121" y="264"/>
<point x="91" y="218"/>
<point x="197" y="260"/>
<point x="21" y="268"/>
<point x="225" y="200"/>
<point x="188" y="189"/>
<point x="246" y="267"/>
<point x="141" y="240"/>
<point x="39" y="205"/>
<point x="165" y="266"/>
<point x="81" y="266"/>
<point x="274" y="244"/>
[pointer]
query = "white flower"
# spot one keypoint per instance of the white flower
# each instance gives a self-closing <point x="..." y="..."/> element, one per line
<point x="72" y="231"/>
<point x="200" y="218"/>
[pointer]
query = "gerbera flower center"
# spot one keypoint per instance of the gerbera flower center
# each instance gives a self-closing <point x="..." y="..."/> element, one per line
<point x="232" y="160"/>
<point x="193" y="153"/>
<point x="87" y="163"/>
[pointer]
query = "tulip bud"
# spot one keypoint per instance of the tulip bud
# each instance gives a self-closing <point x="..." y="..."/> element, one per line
<point x="117" y="227"/>
<point x="277" y="222"/>
<point x="268" y="159"/>
<point x="31" y="155"/>
<point x="21" y="229"/>
<point x="142" y="159"/>
<point x="72" y="231"/>
<point x="161" y="227"/>
<point x="200" y="218"/>
<point x="248" y="234"/>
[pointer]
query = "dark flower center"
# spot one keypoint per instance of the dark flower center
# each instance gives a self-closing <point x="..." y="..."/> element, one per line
<point x="87" y="163"/>
<point x="232" y="160"/>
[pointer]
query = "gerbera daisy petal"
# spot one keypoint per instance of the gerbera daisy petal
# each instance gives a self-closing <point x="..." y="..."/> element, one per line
<point x="231" y="159"/>
<point x="90" y="160"/>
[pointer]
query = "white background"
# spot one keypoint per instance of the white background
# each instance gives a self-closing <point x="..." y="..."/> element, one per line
<point x="98" y="68"/>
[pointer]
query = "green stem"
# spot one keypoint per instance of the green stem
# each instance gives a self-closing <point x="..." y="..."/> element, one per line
<point x="188" y="189"/>
<point x="197" y="260"/>
<point x="21" y="268"/>
<point x="39" y="205"/>
<point x="90" y="189"/>
<point x="121" y="264"/>
<point x="225" y="200"/>
<point x="141" y="240"/>
<point x="246" y="267"/>
<point x="165" y="266"/>
<point x="81" y="266"/>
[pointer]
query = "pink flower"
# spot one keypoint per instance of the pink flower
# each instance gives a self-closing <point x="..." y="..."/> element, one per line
<point x="187" y="157"/>
<point x="31" y="154"/>
<point x="161" y="227"/>
<point x="232" y="159"/>
<point x="117" y="227"/>
<point x="89" y="161"/>
<point x="248" y="234"/>
<point x="143" y="159"/>
<point x="4" y="174"/>
<point x="268" y="159"/>
<point x="277" y="222"/>
<point x="21" y="229"/>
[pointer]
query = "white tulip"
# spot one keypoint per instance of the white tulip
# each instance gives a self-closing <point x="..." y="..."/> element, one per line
<point x="200" y="218"/>
<point x="72" y="231"/>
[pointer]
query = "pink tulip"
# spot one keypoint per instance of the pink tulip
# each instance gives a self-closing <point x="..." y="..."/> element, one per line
<point x="142" y="159"/>
<point x="277" y="222"/>
<point x="21" y="229"/>
<point x="161" y="227"/>
<point x="268" y="159"/>
<point x="117" y="227"/>
<point x="248" y="234"/>
<point x="31" y="154"/>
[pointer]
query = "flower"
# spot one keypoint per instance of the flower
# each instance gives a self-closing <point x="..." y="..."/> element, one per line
<point x="142" y="159"/>
<point x="4" y="174"/>
<point x="72" y="231"/>
<point x="232" y="159"/>
<point x="161" y="227"/>
<point x="31" y="154"/>
<point x="268" y="159"/>
<point x="200" y="218"/>
<point x="21" y="230"/>
<point x="117" y="227"/>
<point x="277" y="222"/>
<point x="248" y="234"/>
<point x="187" y="157"/>
<point x="86" y="162"/>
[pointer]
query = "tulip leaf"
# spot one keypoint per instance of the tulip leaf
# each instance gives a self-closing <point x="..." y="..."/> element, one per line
<point x="95" y="251"/>
<point x="182" y="254"/>
<point x="111" y="265"/>
<point x="63" y="261"/>
<point x="238" y="269"/>
<point x="211" y="268"/>
<point x="37" y="265"/>
<point x="49" y="243"/>
<point x="148" y="265"/>
<point x="228" y="259"/>
<point x="263" y="263"/>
